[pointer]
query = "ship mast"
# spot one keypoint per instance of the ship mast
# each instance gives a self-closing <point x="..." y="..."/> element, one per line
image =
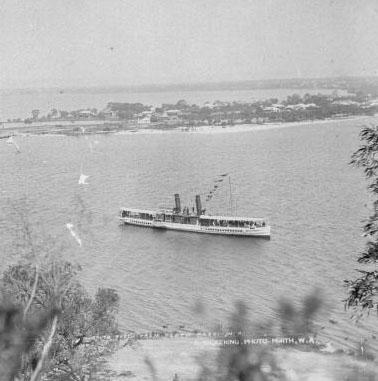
<point x="229" y="181"/>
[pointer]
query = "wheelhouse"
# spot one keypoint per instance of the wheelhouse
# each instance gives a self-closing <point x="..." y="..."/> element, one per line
<point x="178" y="218"/>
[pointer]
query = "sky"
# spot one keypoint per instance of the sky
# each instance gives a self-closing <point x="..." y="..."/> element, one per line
<point x="84" y="43"/>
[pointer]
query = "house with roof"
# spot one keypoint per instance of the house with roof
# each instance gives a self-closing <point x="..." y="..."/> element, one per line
<point x="109" y="113"/>
<point x="174" y="116"/>
<point x="144" y="117"/>
<point x="169" y="117"/>
<point x="86" y="114"/>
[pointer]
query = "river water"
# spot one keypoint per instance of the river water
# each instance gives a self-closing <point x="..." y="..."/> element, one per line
<point x="298" y="177"/>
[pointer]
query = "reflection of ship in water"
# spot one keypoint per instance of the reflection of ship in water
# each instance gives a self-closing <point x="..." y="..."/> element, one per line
<point x="195" y="220"/>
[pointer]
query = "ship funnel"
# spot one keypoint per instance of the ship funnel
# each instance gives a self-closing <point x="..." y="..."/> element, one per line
<point x="177" y="203"/>
<point x="198" y="205"/>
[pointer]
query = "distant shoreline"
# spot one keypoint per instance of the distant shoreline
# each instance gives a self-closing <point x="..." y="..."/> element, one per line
<point x="322" y="83"/>
<point x="100" y="127"/>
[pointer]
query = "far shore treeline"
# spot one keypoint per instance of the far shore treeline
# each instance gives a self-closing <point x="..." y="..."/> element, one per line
<point x="294" y="108"/>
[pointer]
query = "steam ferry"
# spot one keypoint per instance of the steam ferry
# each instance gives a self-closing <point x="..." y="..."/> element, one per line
<point x="195" y="220"/>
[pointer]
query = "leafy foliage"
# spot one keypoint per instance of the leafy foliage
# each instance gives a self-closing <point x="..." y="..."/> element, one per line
<point x="363" y="292"/>
<point x="41" y="293"/>
<point x="80" y="316"/>
<point x="241" y="361"/>
<point x="127" y="110"/>
<point x="299" y="322"/>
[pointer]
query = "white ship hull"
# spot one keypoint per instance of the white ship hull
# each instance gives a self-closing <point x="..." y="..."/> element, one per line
<point x="263" y="231"/>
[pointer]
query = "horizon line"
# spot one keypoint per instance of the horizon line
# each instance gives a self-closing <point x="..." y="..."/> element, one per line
<point x="184" y="85"/>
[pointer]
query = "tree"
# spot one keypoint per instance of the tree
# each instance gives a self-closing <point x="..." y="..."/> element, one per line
<point x="363" y="291"/>
<point x="64" y="114"/>
<point x="104" y="307"/>
<point x="299" y="322"/>
<point x="55" y="287"/>
<point x="293" y="99"/>
<point x="35" y="114"/>
<point x="45" y="313"/>
<point x="182" y="104"/>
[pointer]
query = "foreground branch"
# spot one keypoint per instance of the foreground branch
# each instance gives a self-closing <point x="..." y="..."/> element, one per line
<point x="45" y="351"/>
<point x="34" y="290"/>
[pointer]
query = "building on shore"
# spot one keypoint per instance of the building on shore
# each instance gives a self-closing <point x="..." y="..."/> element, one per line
<point x="109" y="113"/>
<point x="86" y="114"/>
<point x="144" y="117"/>
<point x="174" y="117"/>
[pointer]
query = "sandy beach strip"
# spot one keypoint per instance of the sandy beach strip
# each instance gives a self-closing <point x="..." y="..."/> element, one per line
<point x="360" y="120"/>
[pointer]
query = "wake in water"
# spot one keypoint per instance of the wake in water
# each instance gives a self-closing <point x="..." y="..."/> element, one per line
<point x="73" y="233"/>
<point x="83" y="180"/>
